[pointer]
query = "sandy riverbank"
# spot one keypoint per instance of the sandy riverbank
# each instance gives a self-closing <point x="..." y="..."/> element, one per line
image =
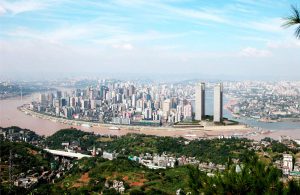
<point x="161" y="131"/>
<point x="11" y="116"/>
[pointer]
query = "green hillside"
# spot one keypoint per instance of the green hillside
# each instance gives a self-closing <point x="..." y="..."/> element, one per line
<point x="96" y="175"/>
<point x="24" y="157"/>
<point x="85" y="139"/>
<point x="210" y="150"/>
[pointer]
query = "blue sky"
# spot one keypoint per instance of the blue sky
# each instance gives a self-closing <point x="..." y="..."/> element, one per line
<point x="205" y="37"/>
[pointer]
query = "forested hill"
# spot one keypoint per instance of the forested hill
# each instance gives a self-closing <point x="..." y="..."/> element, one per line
<point x="84" y="139"/>
<point x="96" y="175"/>
<point x="25" y="158"/>
<point x="210" y="150"/>
<point x="220" y="166"/>
<point x="17" y="133"/>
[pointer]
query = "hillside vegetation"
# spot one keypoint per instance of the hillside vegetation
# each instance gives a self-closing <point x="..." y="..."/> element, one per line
<point x="24" y="158"/>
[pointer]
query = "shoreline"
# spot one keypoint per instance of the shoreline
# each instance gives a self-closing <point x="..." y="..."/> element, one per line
<point x="96" y="124"/>
<point x="11" y="116"/>
<point x="234" y="101"/>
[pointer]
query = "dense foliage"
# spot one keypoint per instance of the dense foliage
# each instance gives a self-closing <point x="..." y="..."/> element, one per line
<point x="137" y="179"/>
<point x="253" y="177"/>
<point x="210" y="150"/>
<point x="24" y="157"/>
<point x="85" y="139"/>
<point x="28" y="134"/>
<point x="90" y="175"/>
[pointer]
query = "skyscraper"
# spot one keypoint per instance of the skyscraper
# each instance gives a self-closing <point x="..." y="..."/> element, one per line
<point x="58" y="94"/>
<point x="218" y="102"/>
<point x="43" y="100"/>
<point x="200" y="101"/>
<point x="131" y="90"/>
<point x="187" y="111"/>
<point x="166" y="107"/>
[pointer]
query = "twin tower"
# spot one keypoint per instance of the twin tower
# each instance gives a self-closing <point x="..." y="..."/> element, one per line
<point x="200" y="102"/>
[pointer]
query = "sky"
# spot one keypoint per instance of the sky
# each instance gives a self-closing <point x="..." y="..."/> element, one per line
<point x="201" y="38"/>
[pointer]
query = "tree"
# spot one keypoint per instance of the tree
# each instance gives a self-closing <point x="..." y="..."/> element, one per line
<point x="292" y="20"/>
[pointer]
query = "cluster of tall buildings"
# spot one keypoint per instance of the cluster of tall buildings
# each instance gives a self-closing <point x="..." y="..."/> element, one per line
<point x="200" y="102"/>
<point x="131" y="103"/>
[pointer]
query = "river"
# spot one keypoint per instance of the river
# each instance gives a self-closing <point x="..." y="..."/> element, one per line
<point x="11" y="116"/>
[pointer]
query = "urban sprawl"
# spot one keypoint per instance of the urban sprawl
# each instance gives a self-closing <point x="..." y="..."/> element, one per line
<point x="129" y="103"/>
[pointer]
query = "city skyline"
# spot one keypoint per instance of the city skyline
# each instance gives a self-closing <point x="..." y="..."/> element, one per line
<point x="149" y="97"/>
<point x="219" y="40"/>
<point x="127" y="103"/>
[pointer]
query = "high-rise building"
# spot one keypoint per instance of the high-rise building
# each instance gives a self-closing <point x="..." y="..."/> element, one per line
<point x="103" y="91"/>
<point x="92" y="94"/>
<point x="218" y="102"/>
<point x="56" y="103"/>
<point x="133" y="99"/>
<point x="166" y="107"/>
<point x="58" y="94"/>
<point x="131" y="90"/>
<point x="63" y="102"/>
<point x="148" y="113"/>
<point x="200" y="101"/>
<point x="50" y="98"/>
<point x="187" y="111"/>
<point x="72" y="101"/>
<point x="43" y="100"/>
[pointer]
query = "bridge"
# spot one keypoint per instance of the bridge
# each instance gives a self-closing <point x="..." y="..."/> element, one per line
<point x="67" y="154"/>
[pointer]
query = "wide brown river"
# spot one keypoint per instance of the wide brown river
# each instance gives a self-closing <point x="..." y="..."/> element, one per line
<point x="11" y="116"/>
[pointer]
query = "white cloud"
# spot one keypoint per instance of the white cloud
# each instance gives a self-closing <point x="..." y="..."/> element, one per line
<point x="92" y="33"/>
<point x="16" y="7"/>
<point x="125" y="46"/>
<point x="165" y="8"/>
<point x="262" y="3"/>
<point x="253" y="38"/>
<point x="36" y="56"/>
<point x="198" y="14"/>
<point x="272" y="25"/>
<point x="85" y="32"/>
<point x="2" y="10"/>
<point x="268" y="25"/>
<point x="116" y="38"/>
<point x="288" y="43"/>
<point x="253" y="52"/>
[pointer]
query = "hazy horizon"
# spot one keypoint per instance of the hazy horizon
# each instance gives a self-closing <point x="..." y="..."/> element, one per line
<point x="159" y="77"/>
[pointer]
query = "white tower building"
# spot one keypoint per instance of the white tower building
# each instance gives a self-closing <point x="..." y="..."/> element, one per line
<point x="218" y="102"/>
<point x="200" y="101"/>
